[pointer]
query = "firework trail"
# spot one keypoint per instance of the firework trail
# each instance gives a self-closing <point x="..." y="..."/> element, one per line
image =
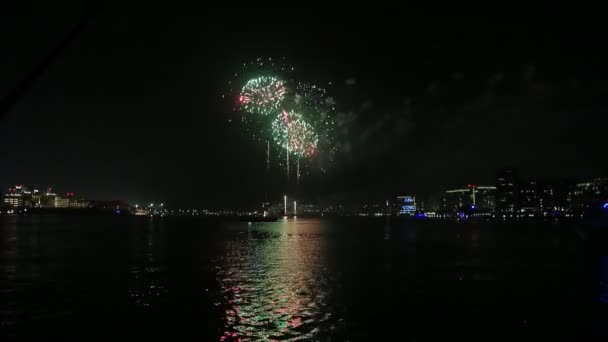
<point x="267" y="155"/>
<point x="287" y="156"/>
<point x="298" y="172"/>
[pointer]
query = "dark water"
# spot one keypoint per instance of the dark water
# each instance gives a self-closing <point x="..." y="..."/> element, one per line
<point x="79" y="278"/>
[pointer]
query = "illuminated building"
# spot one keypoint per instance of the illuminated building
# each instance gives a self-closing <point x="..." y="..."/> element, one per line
<point x="36" y="198"/>
<point x="545" y="197"/>
<point x="584" y="193"/>
<point x="456" y="199"/>
<point x="61" y="202"/>
<point x="554" y="196"/>
<point x="507" y="191"/>
<point x="480" y="196"/>
<point x="485" y="196"/>
<point x="530" y="196"/>
<point x="20" y="196"/>
<point x="78" y="203"/>
<point x="406" y="205"/>
<point x="15" y="196"/>
<point x="13" y="199"/>
<point x="47" y="199"/>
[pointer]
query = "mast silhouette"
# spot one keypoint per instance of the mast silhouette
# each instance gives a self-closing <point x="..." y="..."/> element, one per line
<point x="12" y="98"/>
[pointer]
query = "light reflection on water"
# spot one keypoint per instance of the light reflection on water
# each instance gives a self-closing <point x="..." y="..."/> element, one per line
<point x="332" y="279"/>
<point x="20" y="272"/>
<point x="147" y="281"/>
<point x="604" y="279"/>
<point x="274" y="284"/>
<point x="8" y="245"/>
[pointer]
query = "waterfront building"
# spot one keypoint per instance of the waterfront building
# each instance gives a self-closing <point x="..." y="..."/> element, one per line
<point x="15" y="196"/>
<point x="582" y="194"/>
<point x="473" y="196"/>
<point x="406" y="205"/>
<point x="507" y="191"/>
<point x="484" y="196"/>
<point x="533" y="196"/>
<point x="14" y="200"/>
<point x="455" y="199"/>
<point x="61" y="202"/>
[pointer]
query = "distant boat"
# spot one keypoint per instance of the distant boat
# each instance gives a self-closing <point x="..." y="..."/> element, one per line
<point x="261" y="216"/>
<point x="258" y="219"/>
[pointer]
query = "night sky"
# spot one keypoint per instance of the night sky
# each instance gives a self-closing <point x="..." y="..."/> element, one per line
<point x="132" y="108"/>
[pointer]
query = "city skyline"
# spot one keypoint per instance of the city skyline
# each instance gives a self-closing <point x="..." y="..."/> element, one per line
<point x="511" y="192"/>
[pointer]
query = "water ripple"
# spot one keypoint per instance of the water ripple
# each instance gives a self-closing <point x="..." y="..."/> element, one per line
<point x="273" y="287"/>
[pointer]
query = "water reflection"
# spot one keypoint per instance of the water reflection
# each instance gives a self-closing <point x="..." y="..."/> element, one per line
<point x="274" y="284"/>
<point x="604" y="279"/>
<point x="147" y="281"/>
<point x="8" y="268"/>
<point x="342" y="279"/>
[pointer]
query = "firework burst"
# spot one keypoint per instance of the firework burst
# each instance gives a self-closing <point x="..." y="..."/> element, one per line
<point x="286" y="114"/>
<point x="263" y="95"/>
<point x="296" y="136"/>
